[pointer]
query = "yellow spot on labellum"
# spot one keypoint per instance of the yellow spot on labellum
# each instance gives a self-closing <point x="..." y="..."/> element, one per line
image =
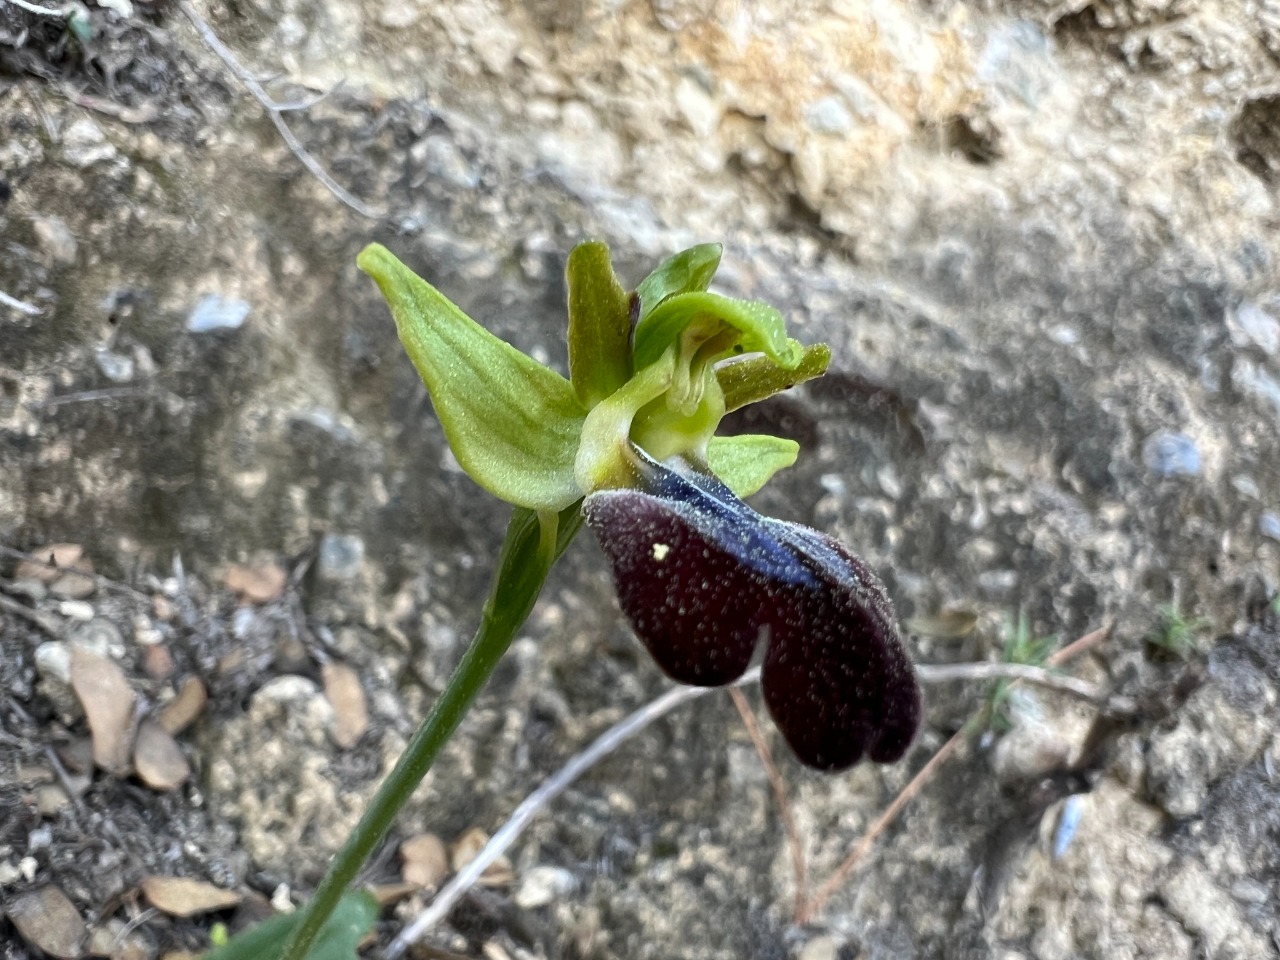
<point x="660" y="551"/>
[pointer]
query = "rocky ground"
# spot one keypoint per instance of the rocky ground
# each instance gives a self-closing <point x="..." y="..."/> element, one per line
<point x="1041" y="238"/>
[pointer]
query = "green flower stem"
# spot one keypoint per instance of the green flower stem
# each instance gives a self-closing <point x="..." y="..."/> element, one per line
<point x="534" y="541"/>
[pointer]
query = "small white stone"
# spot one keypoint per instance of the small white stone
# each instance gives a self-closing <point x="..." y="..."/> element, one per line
<point x="84" y="144"/>
<point x="281" y="900"/>
<point x="829" y="115"/>
<point x="542" y="885"/>
<point x="698" y="108"/>
<point x="53" y="661"/>
<point x="76" y="610"/>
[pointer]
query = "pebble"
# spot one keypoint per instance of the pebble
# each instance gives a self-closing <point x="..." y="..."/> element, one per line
<point x="829" y="115"/>
<point x="819" y="948"/>
<point x="543" y="885"/>
<point x="1171" y="455"/>
<point x="1256" y="325"/>
<point x="1269" y="525"/>
<point x="84" y="144"/>
<point x="341" y="556"/>
<point x="96" y="634"/>
<point x="76" y="610"/>
<point x="116" y="367"/>
<point x="53" y="661"/>
<point x="214" y="312"/>
<point x="1068" y="822"/>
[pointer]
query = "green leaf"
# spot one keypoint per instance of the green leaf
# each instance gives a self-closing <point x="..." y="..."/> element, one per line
<point x="758" y="327"/>
<point x="756" y="378"/>
<point x="513" y="424"/>
<point x="338" y="939"/>
<point x="685" y="272"/>
<point x="746" y="463"/>
<point x="599" y="324"/>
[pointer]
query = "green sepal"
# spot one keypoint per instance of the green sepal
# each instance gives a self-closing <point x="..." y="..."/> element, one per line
<point x="758" y="327"/>
<point x="338" y="938"/>
<point x="685" y="272"/>
<point x="757" y="378"/>
<point x="599" y="324"/>
<point x="746" y="463"/>
<point x="512" y="423"/>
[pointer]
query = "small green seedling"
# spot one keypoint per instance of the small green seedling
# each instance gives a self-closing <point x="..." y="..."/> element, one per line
<point x="1021" y="646"/>
<point x="1177" y="636"/>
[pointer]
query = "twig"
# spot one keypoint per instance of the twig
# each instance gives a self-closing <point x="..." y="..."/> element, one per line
<point x="31" y="310"/>
<point x="273" y="111"/>
<point x="44" y="621"/>
<point x="64" y="778"/>
<point x="41" y="11"/>
<point x="551" y="788"/>
<point x="780" y="796"/>
<point x="944" y="673"/>
<point x="87" y="396"/>
<point x="97" y="578"/>
<point x="609" y="741"/>
<point x="878" y="827"/>
<point x="133" y="925"/>
<point x="144" y="114"/>
<point x="865" y="842"/>
<point x="307" y="102"/>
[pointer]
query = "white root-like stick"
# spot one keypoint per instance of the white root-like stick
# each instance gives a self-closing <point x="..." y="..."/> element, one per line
<point x="551" y="788"/>
<point x="273" y="111"/>
<point x="39" y="10"/>
<point x="20" y="305"/>
<point x="947" y="672"/>
<point x="626" y="728"/>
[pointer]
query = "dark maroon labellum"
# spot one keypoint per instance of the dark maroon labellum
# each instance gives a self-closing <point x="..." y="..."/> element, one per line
<point x="703" y="578"/>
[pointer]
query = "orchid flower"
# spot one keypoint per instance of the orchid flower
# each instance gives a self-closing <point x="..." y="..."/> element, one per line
<point x="628" y="443"/>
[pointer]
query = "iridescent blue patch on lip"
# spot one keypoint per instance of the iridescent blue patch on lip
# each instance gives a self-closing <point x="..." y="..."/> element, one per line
<point x="702" y="576"/>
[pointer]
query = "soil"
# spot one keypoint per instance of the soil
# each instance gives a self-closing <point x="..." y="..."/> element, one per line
<point x="1040" y="238"/>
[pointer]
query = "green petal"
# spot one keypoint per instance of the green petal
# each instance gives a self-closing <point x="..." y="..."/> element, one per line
<point x="754" y="379"/>
<point x="746" y="463"/>
<point x="338" y="938"/>
<point x="685" y="272"/>
<point x="760" y="327"/>
<point x="512" y="423"/>
<point x="599" y="324"/>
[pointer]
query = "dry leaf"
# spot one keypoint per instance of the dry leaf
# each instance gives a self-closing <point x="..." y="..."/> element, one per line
<point x="258" y="584"/>
<point x="108" y="702"/>
<point x="77" y="755"/>
<point x="158" y="758"/>
<point x="50" y="798"/>
<point x="467" y="847"/>
<point x="390" y="893"/>
<point x="350" y="715"/>
<point x="51" y="561"/>
<point x="63" y="566"/>
<point x="46" y="919"/>
<point x="947" y="625"/>
<point x="424" y="860"/>
<point x="185" y="897"/>
<point x="157" y="661"/>
<point x="184" y="708"/>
